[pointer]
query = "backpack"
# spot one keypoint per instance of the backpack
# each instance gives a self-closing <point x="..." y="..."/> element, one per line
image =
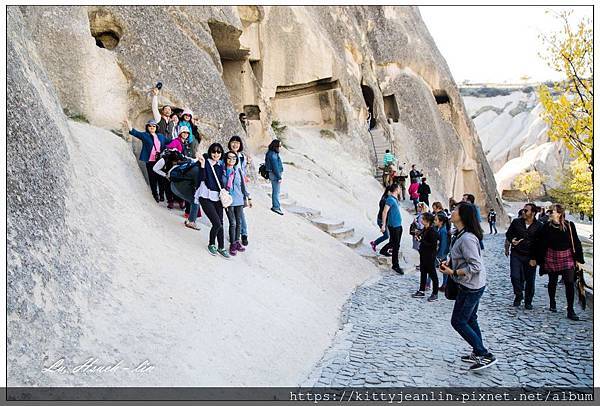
<point x="182" y="172"/>
<point x="262" y="170"/>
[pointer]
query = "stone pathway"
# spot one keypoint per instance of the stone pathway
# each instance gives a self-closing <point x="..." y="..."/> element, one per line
<point x="391" y="339"/>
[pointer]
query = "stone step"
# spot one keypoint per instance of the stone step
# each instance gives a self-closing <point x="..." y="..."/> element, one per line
<point x="353" y="241"/>
<point x="326" y="224"/>
<point x="287" y="202"/>
<point x="305" y="212"/>
<point x="281" y="195"/>
<point x="341" y="233"/>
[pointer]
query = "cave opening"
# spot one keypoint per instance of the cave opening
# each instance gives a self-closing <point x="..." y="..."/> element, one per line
<point x="391" y="108"/>
<point x="369" y="97"/>
<point x="105" y="30"/>
<point x="441" y="97"/>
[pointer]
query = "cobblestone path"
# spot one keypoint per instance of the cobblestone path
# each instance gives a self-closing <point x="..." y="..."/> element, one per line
<point x="391" y="339"/>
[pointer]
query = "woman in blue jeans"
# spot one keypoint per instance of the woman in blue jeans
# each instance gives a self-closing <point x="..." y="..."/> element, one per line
<point x="275" y="168"/>
<point x="467" y="271"/>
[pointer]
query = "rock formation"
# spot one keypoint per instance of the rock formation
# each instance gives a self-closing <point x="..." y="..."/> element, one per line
<point x="317" y="67"/>
<point x="514" y="135"/>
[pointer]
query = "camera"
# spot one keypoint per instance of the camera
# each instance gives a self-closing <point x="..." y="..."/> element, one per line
<point x="159" y="85"/>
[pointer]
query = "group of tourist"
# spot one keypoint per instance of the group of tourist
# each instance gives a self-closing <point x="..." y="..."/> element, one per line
<point x="436" y="240"/>
<point x="451" y="241"/>
<point x="213" y="182"/>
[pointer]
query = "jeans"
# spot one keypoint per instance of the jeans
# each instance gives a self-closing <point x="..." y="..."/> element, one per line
<point x="234" y="214"/>
<point x="522" y="277"/>
<point x="190" y="207"/>
<point x="569" y="280"/>
<point x="394" y="244"/>
<point x="384" y="237"/>
<point x="275" y="194"/>
<point x="214" y="212"/>
<point x="244" y="224"/>
<point x="464" y="318"/>
<point x="493" y="224"/>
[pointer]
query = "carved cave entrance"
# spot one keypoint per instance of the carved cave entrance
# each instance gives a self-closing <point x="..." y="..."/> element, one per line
<point x="391" y="108"/>
<point x="308" y="104"/>
<point x="369" y="97"/>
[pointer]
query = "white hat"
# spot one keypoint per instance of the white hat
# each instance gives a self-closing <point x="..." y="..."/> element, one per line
<point x="188" y="112"/>
<point x="183" y="129"/>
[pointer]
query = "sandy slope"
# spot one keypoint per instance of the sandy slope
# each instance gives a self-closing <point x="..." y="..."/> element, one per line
<point x="263" y="318"/>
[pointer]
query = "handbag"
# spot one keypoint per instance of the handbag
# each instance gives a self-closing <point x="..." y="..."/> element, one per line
<point x="580" y="281"/>
<point x="224" y="196"/>
<point x="451" y="291"/>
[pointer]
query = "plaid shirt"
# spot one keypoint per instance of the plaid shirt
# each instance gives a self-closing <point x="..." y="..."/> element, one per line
<point x="557" y="261"/>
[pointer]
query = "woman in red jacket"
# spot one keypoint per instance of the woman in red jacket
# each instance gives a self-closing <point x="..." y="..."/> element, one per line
<point x="413" y="192"/>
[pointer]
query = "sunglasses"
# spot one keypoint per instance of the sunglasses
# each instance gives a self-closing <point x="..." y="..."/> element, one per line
<point x="231" y="158"/>
<point x="216" y="152"/>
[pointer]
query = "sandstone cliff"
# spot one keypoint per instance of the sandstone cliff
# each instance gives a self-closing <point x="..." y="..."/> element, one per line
<point x="316" y="67"/>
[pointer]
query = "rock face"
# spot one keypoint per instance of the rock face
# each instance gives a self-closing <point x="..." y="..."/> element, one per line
<point x="301" y="66"/>
<point x="514" y="136"/>
<point x="317" y="67"/>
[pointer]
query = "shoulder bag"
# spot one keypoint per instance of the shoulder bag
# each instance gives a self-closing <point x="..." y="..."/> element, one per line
<point x="224" y="196"/>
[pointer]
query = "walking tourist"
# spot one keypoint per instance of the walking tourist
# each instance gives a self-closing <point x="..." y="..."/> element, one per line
<point x="442" y="226"/>
<point x="385" y="234"/>
<point x="424" y="191"/>
<point x="413" y="192"/>
<point x="522" y="235"/>
<point x="392" y="221"/>
<point x="559" y="251"/>
<point x="491" y="218"/>
<point x="468" y="272"/>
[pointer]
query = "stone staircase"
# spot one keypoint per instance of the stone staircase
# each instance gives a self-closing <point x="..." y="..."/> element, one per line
<point x="381" y="143"/>
<point x="336" y="229"/>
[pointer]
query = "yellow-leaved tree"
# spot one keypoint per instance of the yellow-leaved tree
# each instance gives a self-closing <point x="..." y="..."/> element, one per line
<point x="569" y="105"/>
<point x="530" y="183"/>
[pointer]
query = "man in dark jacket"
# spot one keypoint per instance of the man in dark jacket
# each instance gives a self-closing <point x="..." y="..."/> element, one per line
<point x="424" y="192"/>
<point x="414" y="174"/>
<point x="522" y="235"/>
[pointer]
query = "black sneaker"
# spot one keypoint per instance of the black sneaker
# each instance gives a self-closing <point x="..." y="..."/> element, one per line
<point x="528" y="306"/>
<point x="244" y="240"/>
<point x="397" y="269"/>
<point x="572" y="316"/>
<point x="517" y="302"/>
<point x="469" y="358"/>
<point x="553" y="308"/>
<point x="419" y="294"/>
<point x="483" y="362"/>
<point x="278" y="211"/>
<point x="432" y="298"/>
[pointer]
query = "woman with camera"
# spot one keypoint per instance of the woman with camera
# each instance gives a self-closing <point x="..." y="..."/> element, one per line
<point x="467" y="281"/>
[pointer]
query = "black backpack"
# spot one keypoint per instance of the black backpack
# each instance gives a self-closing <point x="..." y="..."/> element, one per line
<point x="182" y="172"/>
<point x="262" y="170"/>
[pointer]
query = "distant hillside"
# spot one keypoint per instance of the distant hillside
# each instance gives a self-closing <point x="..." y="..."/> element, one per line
<point x="512" y="132"/>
